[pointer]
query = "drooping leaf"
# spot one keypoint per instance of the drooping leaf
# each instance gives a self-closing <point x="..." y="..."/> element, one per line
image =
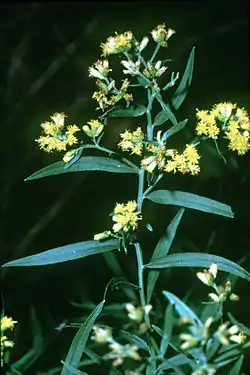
<point x="171" y="363"/>
<point x="65" y="253"/>
<point x="174" y="129"/>
<point x="183" y="310"/>
<point x="189" y="200"/>
<point x="199" y="260"/>
<point x="131" y="111"/>
<point x="162" y="248"/>
<point x="135" y="340"/>
<point x="181" y="91"/>
<point x="84" y="163"/>
<point x="78" y="345"/>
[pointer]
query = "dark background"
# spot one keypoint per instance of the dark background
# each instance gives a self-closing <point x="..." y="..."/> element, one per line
<point x="46" y="50"/>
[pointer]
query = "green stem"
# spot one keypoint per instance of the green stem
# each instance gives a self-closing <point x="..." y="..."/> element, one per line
<point x="158" y="46"/>
<point x="140" y="189"/>
<point x="149" y="116"/>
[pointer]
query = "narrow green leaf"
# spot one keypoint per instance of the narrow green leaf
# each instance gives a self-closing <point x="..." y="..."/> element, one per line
<point x="160" y="118"/>
<point x="78" y="345"/>
<point x="242" y="327"/>
<point x="73" y="370"/>
<point x="183" y="310"/>
<point x="236" y="369"/>
<point x="167" y="110"/>
<point x="181" y="92"/>
<point x="199" y="260"/>
<point x="224" y="362"/>
<point x="167" y="329"/>
<point x="174" y="129"/>
<point x="189" y="200"/>
<point x="84" y="163"/>
<point x="136" y="340"/>
<point x="93" y="356"/>
<point x="38" y="341"/>
<point x="157" y="330"/>
<point x="162" y="248"/>
<point x="65" y="253"/>
<point x="131" y="111"/>
<point x="178" y="360"/>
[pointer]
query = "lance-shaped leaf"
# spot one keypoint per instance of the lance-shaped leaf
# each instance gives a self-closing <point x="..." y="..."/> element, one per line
<point x="65" y="253"/>
<point x="78" y="345"/>
<point x="167" y="329"/>
<point x="160" y="118"/>
<point x="162" y="248"/>
<point x="181" y="92"/>
<point x="166" y="108"/>
<point x="174" y="129"/>
<point x="189" y="200"/>
<point x="85" y="163"/>
<point x="199" y="260"/>
<point x="131" y="111"/>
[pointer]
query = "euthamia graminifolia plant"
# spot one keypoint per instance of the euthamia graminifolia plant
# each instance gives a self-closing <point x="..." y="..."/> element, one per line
<point x="149" y="342"/>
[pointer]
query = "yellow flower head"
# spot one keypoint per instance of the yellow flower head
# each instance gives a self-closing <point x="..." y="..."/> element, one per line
<point x="223" y="111"/>
<point x="187" y="162"/>
<point x="100" y="69"/>
<point x="161" y="35"/>
<point x="207" y="124"/>
<point x="93" y="129"/>
<point x="125" y="216"/>
<point x="118" y="43"/>
<point x="55" y="137"/>
<point x="132" y="141"/>
<point x="238" y="132"/>
<point x="6" y="323"/>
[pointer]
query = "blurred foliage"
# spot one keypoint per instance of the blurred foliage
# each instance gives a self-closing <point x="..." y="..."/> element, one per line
<point x="46" y="50"/>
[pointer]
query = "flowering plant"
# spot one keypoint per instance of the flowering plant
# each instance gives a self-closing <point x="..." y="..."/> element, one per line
<point x="150" y="343"/>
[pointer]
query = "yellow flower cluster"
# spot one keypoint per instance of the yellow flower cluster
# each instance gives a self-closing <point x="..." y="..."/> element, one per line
<point x="125" y="216"/>
<point x="55" y="137"/>
<point x="226" y="117"/>
<point x="108" y="95"/>
<point x="170" y="160"/>
<point x="132" y="141"/>
<point x="238" y="132"/>
<point x="6" y="323"/>
<point x="118" y="43"/>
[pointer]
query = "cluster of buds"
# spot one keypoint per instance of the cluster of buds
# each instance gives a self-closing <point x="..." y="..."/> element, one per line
<point x="118" y="351"/>
<point x="223" y="293"/>
<point x="202" y="333"/>
<point x="108" y="95"/>
<point x="225" y="334"/>
<point x="137" y="314"/>
<point x="6" y="324"/>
